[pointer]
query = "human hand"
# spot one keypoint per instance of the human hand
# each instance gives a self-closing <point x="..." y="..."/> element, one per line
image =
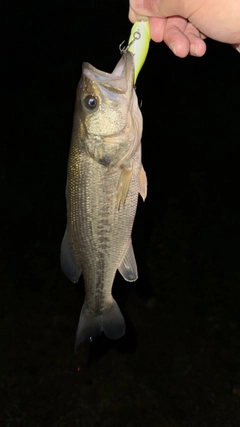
<point x="184" y="24"/>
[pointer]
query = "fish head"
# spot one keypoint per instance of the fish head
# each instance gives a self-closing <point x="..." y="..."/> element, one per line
<point x="108" y="122"/>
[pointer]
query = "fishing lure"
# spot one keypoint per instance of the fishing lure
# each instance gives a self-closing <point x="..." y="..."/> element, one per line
<point x="138" y="43"/>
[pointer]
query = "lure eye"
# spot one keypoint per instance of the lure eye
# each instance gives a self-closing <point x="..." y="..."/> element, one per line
<point x="91" y="102"/>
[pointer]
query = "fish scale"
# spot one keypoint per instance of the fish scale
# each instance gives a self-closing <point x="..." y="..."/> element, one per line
<point x="105" y="175"/>
<point x="97" y="234"/>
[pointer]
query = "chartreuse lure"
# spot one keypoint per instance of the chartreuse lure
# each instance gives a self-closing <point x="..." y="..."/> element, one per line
<point x="138" y="43"/>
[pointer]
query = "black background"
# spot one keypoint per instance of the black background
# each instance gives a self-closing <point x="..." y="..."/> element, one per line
<point x="179" y="362"/>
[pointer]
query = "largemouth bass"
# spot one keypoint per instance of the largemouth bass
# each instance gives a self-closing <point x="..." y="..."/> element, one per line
<point x="105" y="175"/>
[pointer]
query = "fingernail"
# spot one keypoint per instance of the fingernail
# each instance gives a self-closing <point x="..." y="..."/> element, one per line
<point x="194" y="50"/>
<point x="172" y="47"/>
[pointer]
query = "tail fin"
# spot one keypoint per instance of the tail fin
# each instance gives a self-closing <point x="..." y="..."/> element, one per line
<point x="110" y="321"/>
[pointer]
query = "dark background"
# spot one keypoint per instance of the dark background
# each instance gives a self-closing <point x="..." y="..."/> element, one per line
<point x="179" y="362"/>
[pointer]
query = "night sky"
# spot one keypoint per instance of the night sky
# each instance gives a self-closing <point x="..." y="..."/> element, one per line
<point x="179" y="362"/>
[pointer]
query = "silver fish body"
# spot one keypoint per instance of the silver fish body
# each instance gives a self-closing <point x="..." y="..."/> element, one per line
<point x="105" y="175"/>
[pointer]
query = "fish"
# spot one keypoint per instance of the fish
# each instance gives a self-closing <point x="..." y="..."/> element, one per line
<point x="104" y="177"/>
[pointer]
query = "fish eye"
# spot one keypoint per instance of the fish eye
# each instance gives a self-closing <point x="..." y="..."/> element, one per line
<point x="91" y="102"/>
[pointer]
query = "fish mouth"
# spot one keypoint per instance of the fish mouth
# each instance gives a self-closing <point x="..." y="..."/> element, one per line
<point x="121" y="80"/>
<point x="125" y="66"/>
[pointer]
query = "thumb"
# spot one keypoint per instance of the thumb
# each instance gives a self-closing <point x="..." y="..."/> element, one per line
<point x="157" y="8"/>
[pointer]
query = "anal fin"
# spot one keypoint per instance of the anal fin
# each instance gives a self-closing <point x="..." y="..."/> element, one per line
<point x="128" y="267"/>
<point x="68" y="264"/>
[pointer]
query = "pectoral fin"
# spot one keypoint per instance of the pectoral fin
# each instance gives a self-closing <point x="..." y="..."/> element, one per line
<point x="68" y="264"/>
<point x="123" y="186"/>
<point x="128" y="267"/>
<point x="143" y="183"/>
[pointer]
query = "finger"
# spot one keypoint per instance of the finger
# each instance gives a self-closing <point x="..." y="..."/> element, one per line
<point x="132" y="15"/>
<point x="197" y="45"/>
<point x="158" y="8"/>
<point x="157" y="28"/>
<point x="175" y="38"/>
<point x="236" y="46"/>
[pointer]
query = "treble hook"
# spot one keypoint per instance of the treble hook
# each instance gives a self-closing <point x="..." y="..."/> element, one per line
<point x="136" y="36"/>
